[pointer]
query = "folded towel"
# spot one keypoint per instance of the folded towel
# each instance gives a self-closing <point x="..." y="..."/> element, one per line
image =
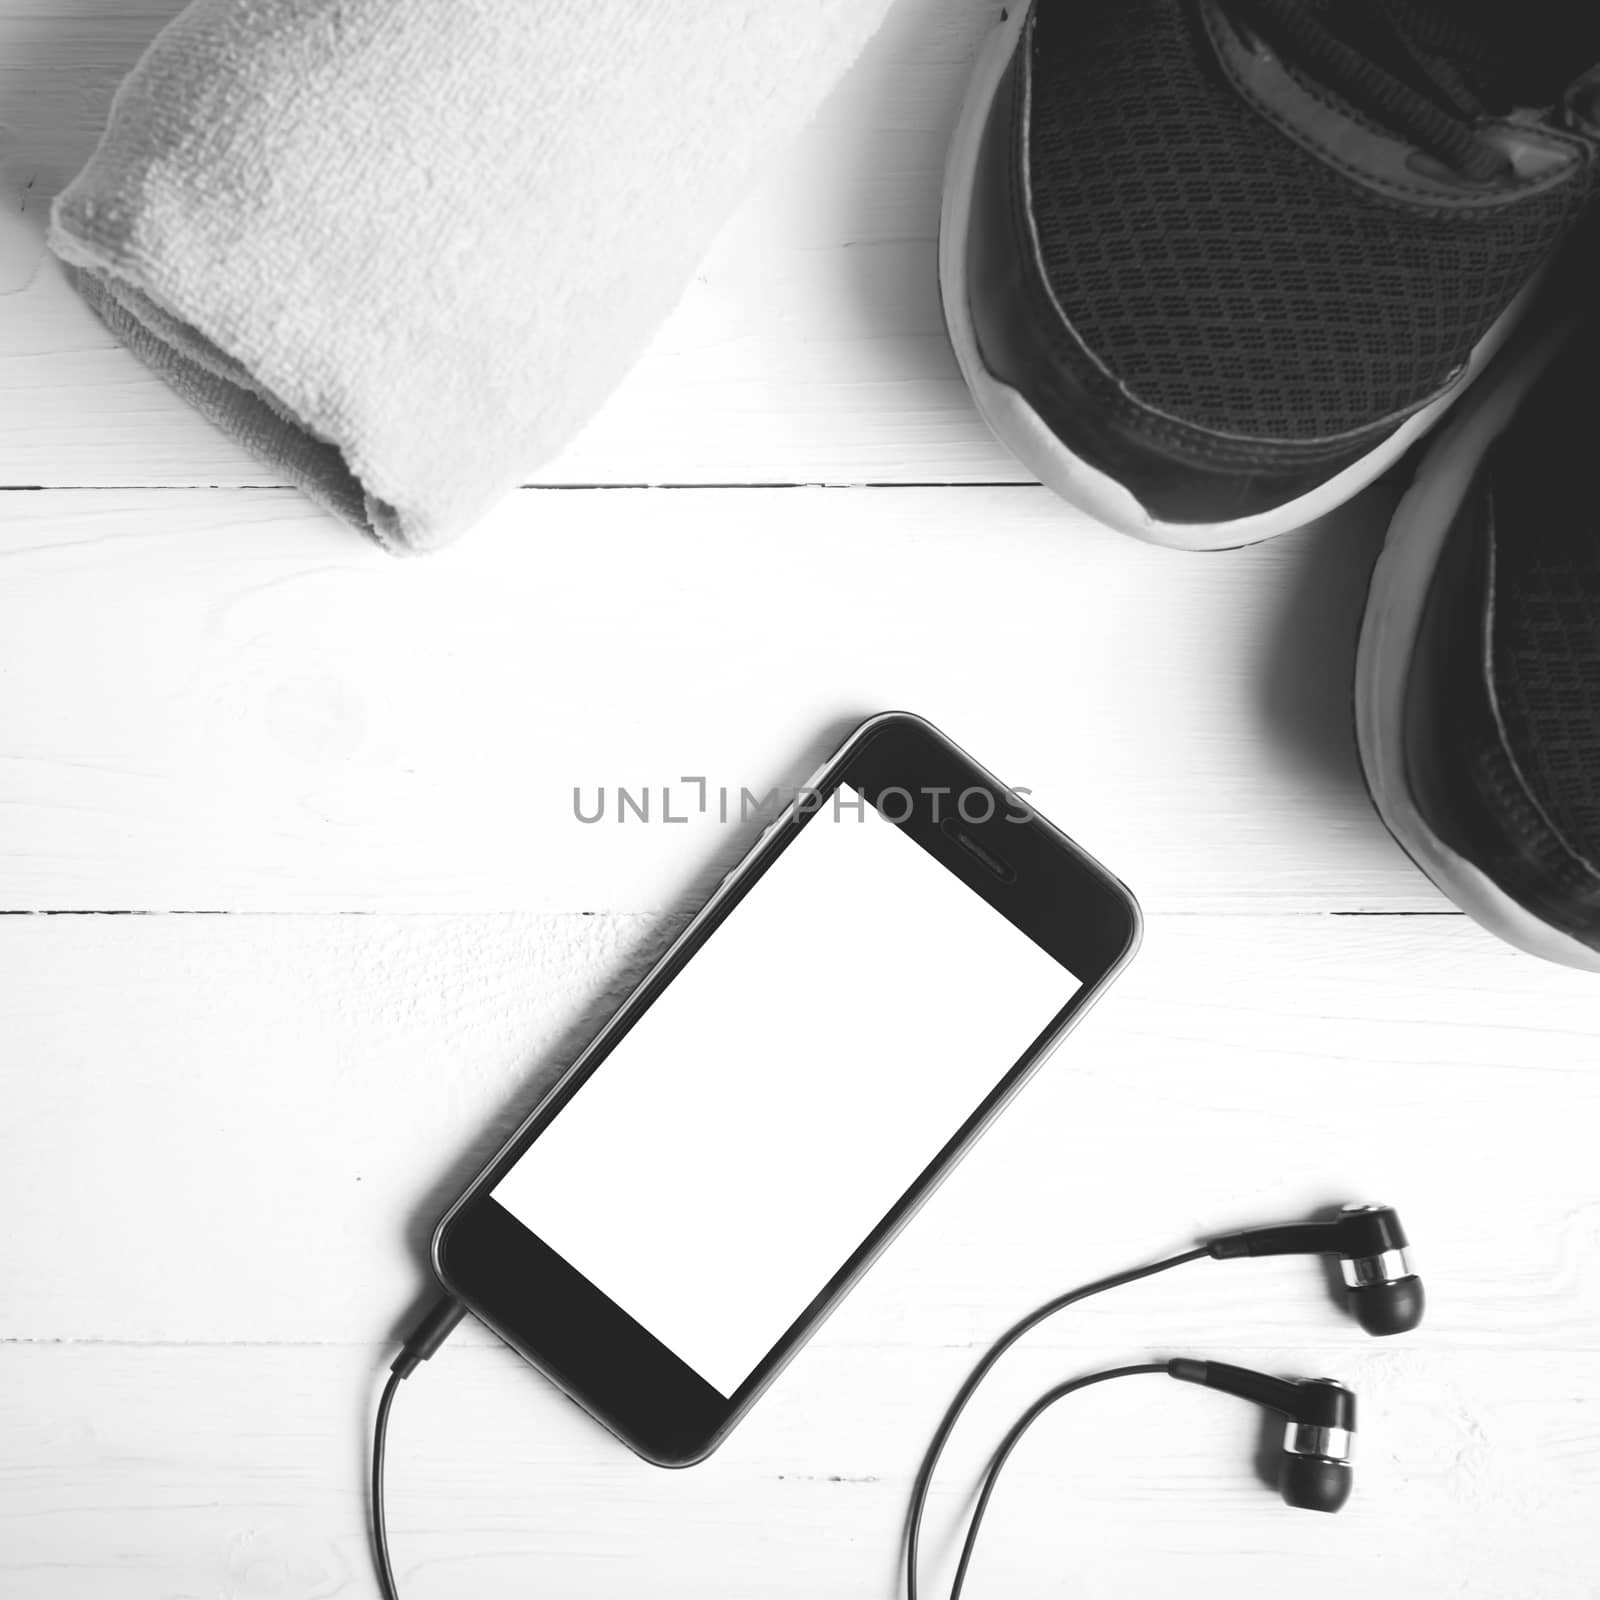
<point x="403" y="249"/>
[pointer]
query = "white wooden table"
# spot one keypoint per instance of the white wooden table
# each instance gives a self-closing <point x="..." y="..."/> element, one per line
<point x="297" y="916"/>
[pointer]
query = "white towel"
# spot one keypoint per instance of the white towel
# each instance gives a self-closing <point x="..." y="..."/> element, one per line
<point x="403" y="249"/>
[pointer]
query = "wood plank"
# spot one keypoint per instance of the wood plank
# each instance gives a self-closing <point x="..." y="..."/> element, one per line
<point x="237" y="1471"/>
<point x="245" y="1127"/>
<point x="809" y="348"/>
<point x="225" y="700"/>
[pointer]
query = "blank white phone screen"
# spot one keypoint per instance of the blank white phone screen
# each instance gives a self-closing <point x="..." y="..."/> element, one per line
<point x="785" y="1090"/>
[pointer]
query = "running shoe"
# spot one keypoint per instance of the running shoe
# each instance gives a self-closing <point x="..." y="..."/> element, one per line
<point x="1478" y="674"/>
<point x="1211" y="266"/>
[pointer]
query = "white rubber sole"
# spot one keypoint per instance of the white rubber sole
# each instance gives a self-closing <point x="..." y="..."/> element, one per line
<point x="1400" y="584"/>
<point x="1018" y="426"/>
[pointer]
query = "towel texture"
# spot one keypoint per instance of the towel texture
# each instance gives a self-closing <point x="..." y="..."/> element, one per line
<point x="403" y="249"/>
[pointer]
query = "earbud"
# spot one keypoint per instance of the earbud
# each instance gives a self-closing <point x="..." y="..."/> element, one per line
<point x="1319" y="1414"/>
<point x="1385" y="1294"/>
<point x="1312" y="1482"/>
<point x="1320" y="1423"/>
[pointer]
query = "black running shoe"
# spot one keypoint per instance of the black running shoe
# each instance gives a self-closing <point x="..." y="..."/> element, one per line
<point x="1210" y="266"/>
<point x="1478" y="679"/>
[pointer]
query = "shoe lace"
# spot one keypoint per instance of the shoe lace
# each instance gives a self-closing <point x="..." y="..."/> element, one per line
<point x="1399" y="71"/>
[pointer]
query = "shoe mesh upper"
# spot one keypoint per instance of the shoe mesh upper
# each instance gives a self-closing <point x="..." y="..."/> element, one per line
<point x="1223" y="274"/>
<point x="1544" y="639"/>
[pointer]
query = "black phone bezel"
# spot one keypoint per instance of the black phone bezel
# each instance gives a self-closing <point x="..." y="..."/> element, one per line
<point x="1007" y="853"/>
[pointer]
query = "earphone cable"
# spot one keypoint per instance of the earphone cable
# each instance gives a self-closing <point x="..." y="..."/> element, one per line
<point x="441" y="1318"/>
<point x="380" y="1530"/>
<point x="430" y="1331"/>
<point x="947" y="1423"/>
<point x="1014" y="1437"/>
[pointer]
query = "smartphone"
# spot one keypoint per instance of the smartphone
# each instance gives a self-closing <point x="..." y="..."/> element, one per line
<point x="861" y="996"/>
